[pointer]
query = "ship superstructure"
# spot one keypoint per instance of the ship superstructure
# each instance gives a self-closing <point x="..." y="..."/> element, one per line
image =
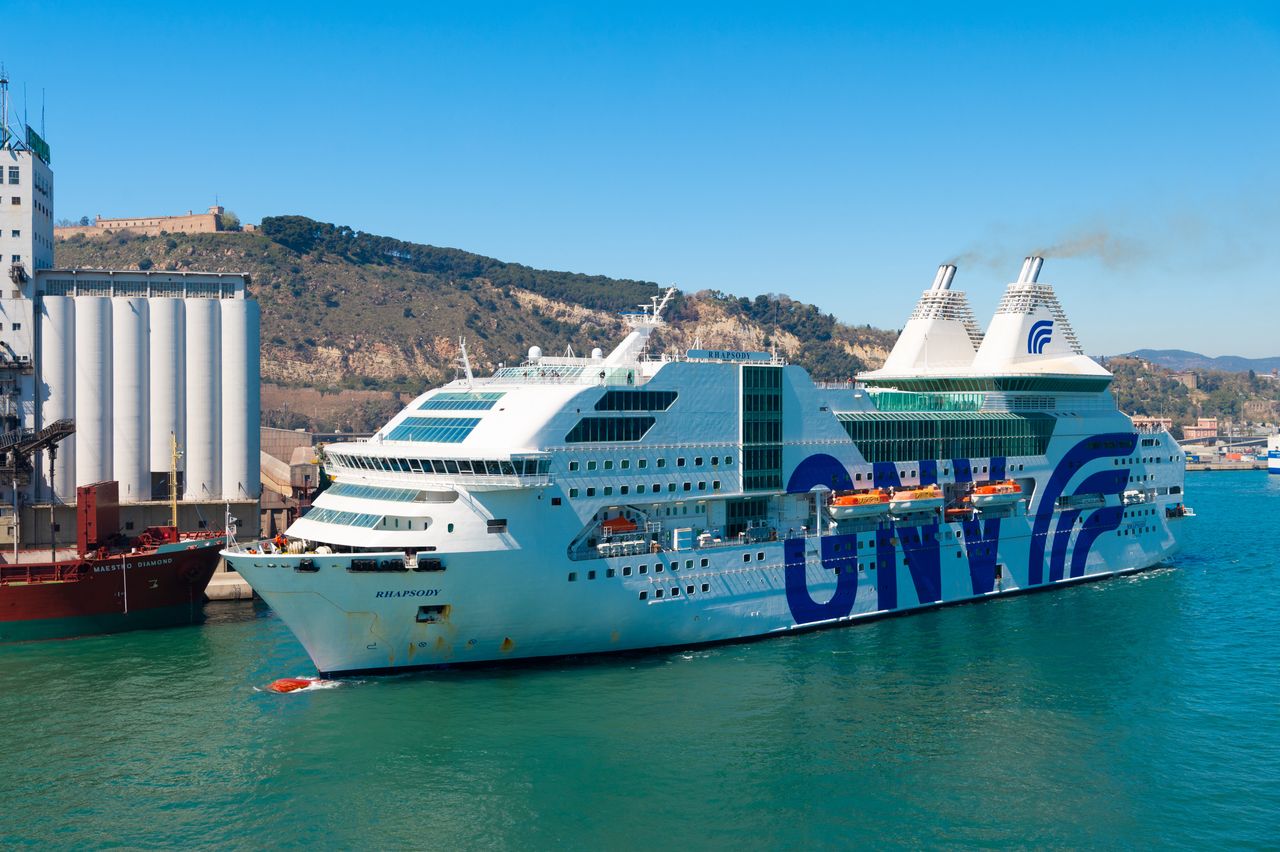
<point x="636" y="500"/>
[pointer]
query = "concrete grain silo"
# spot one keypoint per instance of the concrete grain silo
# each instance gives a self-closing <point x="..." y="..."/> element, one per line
<point x="203" y="450"/>
<point x="241" y="462"/>
<point x="57" y="393"/>
<point x="93" y="405"/>
<point x="131" y="395"/>
<point x="168" y="386"/>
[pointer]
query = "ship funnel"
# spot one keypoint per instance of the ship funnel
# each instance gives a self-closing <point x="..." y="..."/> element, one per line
<point x="1030" y="270"/>
<point x="942" y="281"/>
<point x="940" y="337"/>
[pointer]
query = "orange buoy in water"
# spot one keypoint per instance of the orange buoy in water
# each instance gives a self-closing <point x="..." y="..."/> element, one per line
<point x="289" y="684"/>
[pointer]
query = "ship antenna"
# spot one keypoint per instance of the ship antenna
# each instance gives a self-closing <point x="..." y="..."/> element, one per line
<point x="4" y="108"/>
<point x="174" y="455"/>
<point x="465" y="360"/>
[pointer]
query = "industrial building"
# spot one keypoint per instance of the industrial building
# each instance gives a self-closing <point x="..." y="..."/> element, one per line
<point x="158" y="371"/>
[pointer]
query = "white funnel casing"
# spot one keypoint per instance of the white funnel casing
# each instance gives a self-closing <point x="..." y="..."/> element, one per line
<point x="1030" y="333"/>
<point x="940" y="337"/>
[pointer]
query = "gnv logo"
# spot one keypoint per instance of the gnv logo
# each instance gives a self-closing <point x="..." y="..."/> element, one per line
<point x="1038" y="339"/>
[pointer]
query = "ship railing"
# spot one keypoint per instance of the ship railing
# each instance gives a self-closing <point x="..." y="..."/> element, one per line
<point x="47" y="573"/>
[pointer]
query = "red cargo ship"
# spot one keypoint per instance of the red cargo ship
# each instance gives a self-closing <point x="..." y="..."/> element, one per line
<point x="108" y="582"/>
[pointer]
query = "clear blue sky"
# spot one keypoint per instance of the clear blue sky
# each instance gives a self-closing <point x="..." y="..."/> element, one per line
<point x="834" y="152"/>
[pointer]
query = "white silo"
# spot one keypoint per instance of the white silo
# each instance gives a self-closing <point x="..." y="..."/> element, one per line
<point x="131" y="393"/>
<point x="168" y="382"/>
<point x="93" y="389"/>
<point x="202" y="452"/>
<point x="58" y="394"/>
<point x="241" y="462"/>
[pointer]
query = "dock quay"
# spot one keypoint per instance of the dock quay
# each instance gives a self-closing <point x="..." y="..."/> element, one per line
<point x="1258" y="464"/>
<point x="228" y="585"/>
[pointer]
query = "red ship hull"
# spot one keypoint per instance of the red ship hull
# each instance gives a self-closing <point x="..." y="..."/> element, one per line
<point x="155" y="587"/>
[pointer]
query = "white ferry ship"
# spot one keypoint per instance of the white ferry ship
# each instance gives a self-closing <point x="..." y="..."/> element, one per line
<point x="1273" y="454"/>
<point x="633" y="500"/>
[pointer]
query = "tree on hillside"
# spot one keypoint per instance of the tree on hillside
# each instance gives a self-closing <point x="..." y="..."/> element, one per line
<point x="229" y="221"/>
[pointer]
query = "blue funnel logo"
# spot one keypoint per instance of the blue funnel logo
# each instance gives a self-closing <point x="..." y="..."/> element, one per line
<point x="1038" y="339"/>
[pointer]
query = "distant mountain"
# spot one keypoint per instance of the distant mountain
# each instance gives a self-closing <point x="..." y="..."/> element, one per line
<point x="1180" y="359"/>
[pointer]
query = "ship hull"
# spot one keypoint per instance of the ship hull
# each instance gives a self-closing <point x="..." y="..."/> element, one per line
<point x="359" y="623"/>
<point x="157" y="588"/>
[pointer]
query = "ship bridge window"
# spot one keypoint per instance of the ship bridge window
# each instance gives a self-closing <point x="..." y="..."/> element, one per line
<point x="609" y="429"/>
<point x="349" y="519"/>
<point x="636" y="400"/>
<point x="462" y="401"/>
<point x="442" y="430"/>
<point x="403" y="495"/>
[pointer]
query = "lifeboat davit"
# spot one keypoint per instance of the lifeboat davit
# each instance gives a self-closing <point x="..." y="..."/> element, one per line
<point x="859" y="504"/>
<point x="916" y="499"/>
<point x="995" y="494"/>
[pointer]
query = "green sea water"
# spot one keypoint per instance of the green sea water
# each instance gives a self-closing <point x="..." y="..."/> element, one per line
<point x="1137" y="712"/>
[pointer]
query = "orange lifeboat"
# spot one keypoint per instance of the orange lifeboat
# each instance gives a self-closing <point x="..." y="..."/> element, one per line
<point x="995" y="493"/>
<point x="289" y="684"/>
<point x="619" y="525"/>
<point x="859" y="504"/>
<point x="922" y="499"/>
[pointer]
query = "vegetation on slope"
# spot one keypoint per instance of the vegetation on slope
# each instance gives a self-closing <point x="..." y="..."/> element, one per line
<point x="1147" y="389"/>
<point x="346" y="310"/>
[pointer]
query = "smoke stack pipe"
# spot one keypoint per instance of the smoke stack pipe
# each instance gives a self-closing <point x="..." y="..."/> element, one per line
<point x="942" y="281"/>
<point x="1030" y="270"/>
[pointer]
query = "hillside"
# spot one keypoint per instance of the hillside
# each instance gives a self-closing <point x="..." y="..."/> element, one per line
<point x="1181" y="359"/>
<point x="346" y="310"/>
<point x="1149" y="389"/>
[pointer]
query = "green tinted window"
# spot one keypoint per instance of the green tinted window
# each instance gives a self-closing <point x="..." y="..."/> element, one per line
<point x="761" y="428"/>
<point x="886" y="437"/>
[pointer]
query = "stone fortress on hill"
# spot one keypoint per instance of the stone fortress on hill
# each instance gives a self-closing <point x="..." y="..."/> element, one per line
<point x="209" y="222"/>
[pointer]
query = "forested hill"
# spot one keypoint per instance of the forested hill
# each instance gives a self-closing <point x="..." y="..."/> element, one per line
<point x="346" y="309"/>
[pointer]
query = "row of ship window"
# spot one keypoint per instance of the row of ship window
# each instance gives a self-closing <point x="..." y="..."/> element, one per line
<point x="624" y="490"/>
<point x="658" y="568"/>
<point x="946" y="471"/>
<point x="657" y="593"/>
<point x="446" y="467"/>
<point x="641" y="464"/>
<point x="1144" y="460"/>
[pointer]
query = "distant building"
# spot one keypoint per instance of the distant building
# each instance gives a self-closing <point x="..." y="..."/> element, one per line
<point x="208" y="222"/>
<point x="1260" y="411"/>
<point x="1205" y="428"/>
<point x="1188" y="378"/>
